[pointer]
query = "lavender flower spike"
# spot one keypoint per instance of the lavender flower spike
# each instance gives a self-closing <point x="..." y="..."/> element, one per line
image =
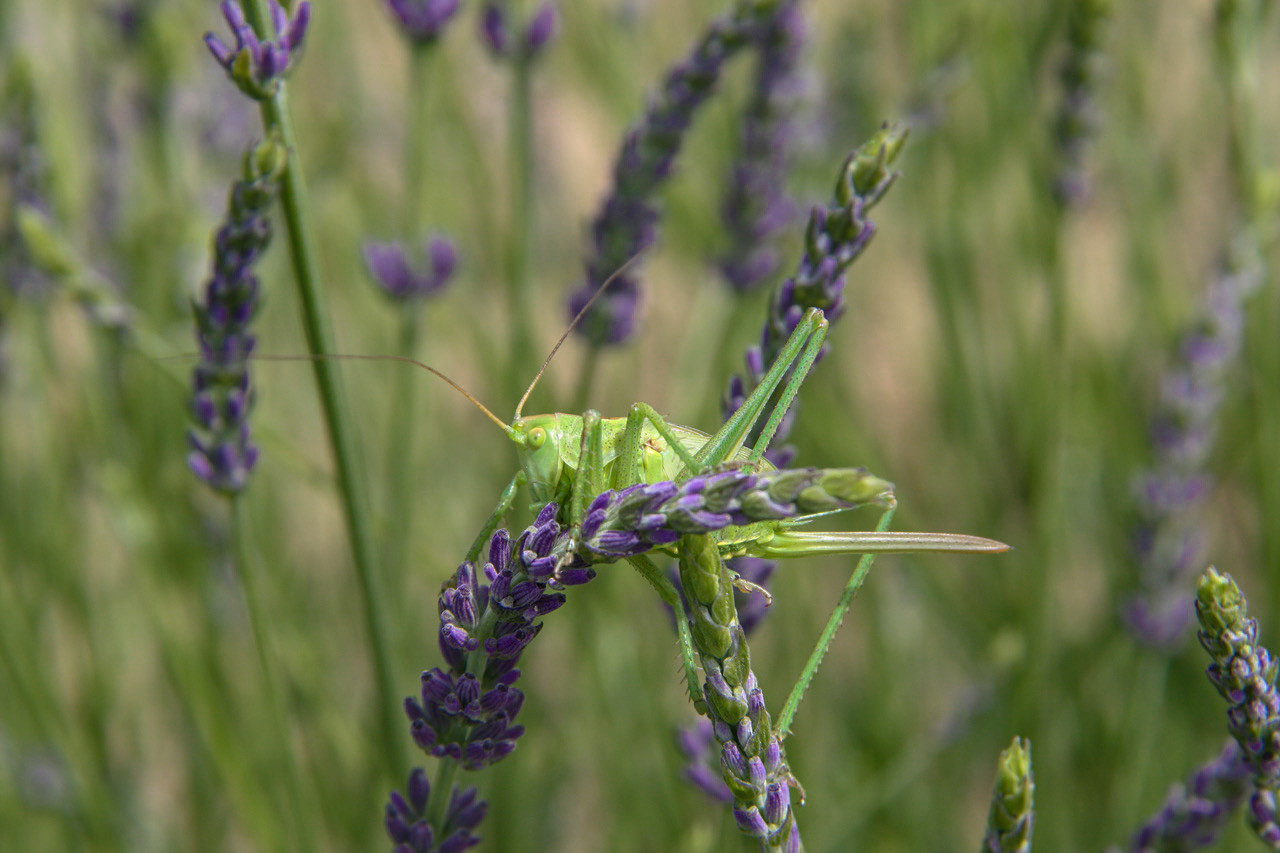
<point x="257" y="66"/>
<point x="1193" y="816"/>
<point x="1245" y="674"/>
<point x="627" y="222"/>
<point x="756" y="205"/>
<point x="467" y="713"/>
<point x="653" y="515"/>
<point x="407" y="823"/>
<point x="1010" y="820"/>
<point x="222" y="454"/>
<point x="423" y="21"/>
<point x="752" y="762"/>
<point x="538" y="31"/>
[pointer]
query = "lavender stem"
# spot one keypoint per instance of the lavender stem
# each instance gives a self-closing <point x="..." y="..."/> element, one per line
<point x="315" y="316"/>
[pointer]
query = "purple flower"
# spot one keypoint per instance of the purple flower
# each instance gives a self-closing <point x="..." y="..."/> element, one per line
<point x="756" y="205"/>
<point x="1170" y="537"/>
<point x="469" y="716"/>
<point x="753" y="765"/>
<point x="1245" y="675"/>
<point x="1193" y="816"/>
<point x="407" y="824"/>
<point x="836" y="236"/>
<point x="423" y="21"/>
<point x="652" y="515"/>
<point x="538" y="30"/>
<point x="222" y="453"/>
<point x="627" y="222"/>
<point x="392" y="269"/>
<point x="257" y="66"/>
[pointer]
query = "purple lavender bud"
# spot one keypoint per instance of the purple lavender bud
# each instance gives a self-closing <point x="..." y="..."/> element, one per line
<point x="642" y="517"/>
<point x="469" y="717"/>
<point x="257" y="66"/>
<point x="493" y="25"/>
<point x="406" y="819"/>
<point x="406" y="280"/>
<point x="423" y="21"/>
<point x="1245" y="674"/>
<point x="223" y="453"/>
<point x="1193" y="816"/>
<point x="627" y="222"/>
<point x="542" y="27"/>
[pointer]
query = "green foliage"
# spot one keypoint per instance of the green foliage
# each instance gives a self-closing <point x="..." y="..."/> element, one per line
<point x="999" y="359"/>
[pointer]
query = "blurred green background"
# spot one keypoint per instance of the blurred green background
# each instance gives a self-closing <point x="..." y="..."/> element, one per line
<point x="1000" y="360"/>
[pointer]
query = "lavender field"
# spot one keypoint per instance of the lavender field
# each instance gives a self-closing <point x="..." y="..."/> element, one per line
<point x="1042" y="236"/>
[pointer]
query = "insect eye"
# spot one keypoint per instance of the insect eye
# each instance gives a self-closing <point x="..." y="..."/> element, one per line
<point x="537" y="438"/>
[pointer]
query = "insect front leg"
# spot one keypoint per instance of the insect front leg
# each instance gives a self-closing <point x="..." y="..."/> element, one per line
<point x="495" y="518"/>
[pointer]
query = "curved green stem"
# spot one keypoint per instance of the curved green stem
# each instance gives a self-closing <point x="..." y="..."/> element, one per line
<point x="315" y="318"/>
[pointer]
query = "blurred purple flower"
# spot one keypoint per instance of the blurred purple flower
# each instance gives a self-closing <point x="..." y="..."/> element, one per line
<point x="628" y="219"/>
<point x="1080" y="115"/>
<point x="1194" y="815"/>
<point x="423" y="21"/>
<point x="756" y="205"/>
<point x="257" y="66"/>
<point x="222" y="454"/>
<point x="539" y="29"/>
<point x="392" y="269"/>
<point x="406" y="819"/>
<point x="1170" y="538"/>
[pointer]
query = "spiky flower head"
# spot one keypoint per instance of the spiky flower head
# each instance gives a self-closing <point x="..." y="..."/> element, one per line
<point x="407" y="823"/>
<point x="650" y="515"/>
<point x="222" y="453"/>
<point x="255" y="65"/>
<point x="1010" y="820"/>
<point x="1245" y="675"/>
<point x="468" y="715"/>
<point x="1194" y="815"/>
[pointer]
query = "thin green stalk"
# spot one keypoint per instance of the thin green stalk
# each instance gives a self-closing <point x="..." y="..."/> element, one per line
<point x="275" y="116"/>
<point x="400" y="444"/>
<point x="851" y="587"/>
<point x="521" y="225"/>
<point x="300" y="818"/>
<point x="415" y="147"/>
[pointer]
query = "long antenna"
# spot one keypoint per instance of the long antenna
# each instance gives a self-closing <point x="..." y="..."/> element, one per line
<point x="572" y="325"/>
<point x="505" y="427"/>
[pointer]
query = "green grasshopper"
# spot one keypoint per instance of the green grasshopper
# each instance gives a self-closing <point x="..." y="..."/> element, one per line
<point x="571" y="459"/>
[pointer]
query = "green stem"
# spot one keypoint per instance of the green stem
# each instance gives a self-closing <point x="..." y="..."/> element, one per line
<point x="315" y="317"/>
<point x="521" y="153"/>
<point x="783" y="723"/>
<point x="400" y="446"/>
<point x="416" y="107"/>
<point x="300" y="817"/>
